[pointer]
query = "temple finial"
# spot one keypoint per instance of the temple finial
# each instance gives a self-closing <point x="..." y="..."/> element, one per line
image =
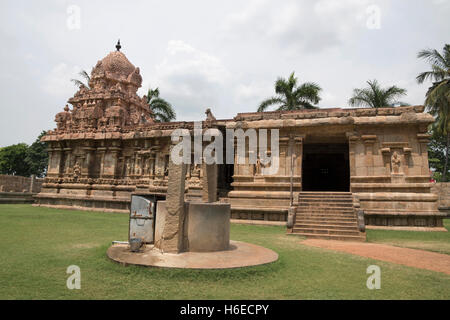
<point x="118" y="46"/>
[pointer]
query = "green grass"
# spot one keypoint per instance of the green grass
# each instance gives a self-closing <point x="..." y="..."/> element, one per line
<point x="38" y="244"/>
<point x="431" y="241"/>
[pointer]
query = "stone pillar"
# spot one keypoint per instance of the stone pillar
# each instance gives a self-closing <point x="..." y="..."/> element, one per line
<point x="424" y="139"/>
<point x="152" y="165"/>
<point x="101" y="151"/>
<point x="209" y="192"/>
<point x="68" y="161"/>
<point x="298" y="152"/>
<point x="351" y="150"/>
<point x="110" y="162"/>
<point x="87" y="172"/>
<point x="172" y="231"/>
<point x="33" y="178"/>
<point x="369" y="140"/>
<point x="54" y="163"/>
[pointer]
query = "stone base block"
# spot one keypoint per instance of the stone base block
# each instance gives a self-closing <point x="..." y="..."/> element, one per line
<point x="208" y="227"/>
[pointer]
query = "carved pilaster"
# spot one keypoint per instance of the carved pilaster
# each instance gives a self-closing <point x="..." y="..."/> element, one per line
<point x="101" y="152"/>
<point x="352" y="140"/>
<point x="369" y="141"/>
<point x="424" y="139"/>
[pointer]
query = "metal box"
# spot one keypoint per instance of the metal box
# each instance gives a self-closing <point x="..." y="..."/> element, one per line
<point x="142" y="217"/>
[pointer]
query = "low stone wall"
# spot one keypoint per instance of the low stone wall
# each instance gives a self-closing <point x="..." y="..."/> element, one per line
<point x="20" y="184"/>
<point x="442" y="189"/>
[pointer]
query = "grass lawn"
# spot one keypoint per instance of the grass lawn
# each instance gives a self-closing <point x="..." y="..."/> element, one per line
<point x="38" y="244"/>
<point x="431" y="241"/>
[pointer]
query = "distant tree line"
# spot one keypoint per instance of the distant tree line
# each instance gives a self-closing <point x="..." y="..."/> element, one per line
<point x="25" y="160"/>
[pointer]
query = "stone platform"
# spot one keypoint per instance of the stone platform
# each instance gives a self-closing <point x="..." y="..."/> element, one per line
<point x="240" y="254"/>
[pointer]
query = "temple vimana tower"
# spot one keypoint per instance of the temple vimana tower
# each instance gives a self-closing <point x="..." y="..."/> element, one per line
<point x="332" y="162"/>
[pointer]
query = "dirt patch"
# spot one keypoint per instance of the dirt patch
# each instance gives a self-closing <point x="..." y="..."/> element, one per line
<point x="435" y="246"/>
<point x="404" y="256"/>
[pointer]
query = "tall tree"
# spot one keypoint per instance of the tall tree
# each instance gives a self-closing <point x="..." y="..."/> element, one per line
<point x="37" y="157"/>
<point x="12" y="160"/>
<point x="85" y="76"/>
<point x="290" y="96"/>
<point x="437" y="99"/>
<point x="162" y="109"/>
<point x="436" y="154"/>
<point x="376" y="97"/>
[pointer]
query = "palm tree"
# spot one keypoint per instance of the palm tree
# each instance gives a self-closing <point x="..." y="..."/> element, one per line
<point x="292" y="97"/>
<point x="80" y="83"/>
<point x="437" y="99"/>
<point x="162" y="109"/>
<point x="376" y="97"/>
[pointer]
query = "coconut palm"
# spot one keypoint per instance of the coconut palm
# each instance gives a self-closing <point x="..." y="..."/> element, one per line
<point x="80" y="83"/>
<point x="290" y="96"/>
<point x="162" y="109"/>
<point x="376" y="97"/>
<point x="437" y="99"/>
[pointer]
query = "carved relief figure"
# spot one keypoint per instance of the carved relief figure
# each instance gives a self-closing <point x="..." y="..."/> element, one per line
<point x="76" y="171"/>
<point x="395" y="162"/>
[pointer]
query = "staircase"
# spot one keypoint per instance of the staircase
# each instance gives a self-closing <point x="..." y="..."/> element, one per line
<point x="327" y="215"/>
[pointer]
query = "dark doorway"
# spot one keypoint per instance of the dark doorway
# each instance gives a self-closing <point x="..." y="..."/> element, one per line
<point x="325" y="167"/>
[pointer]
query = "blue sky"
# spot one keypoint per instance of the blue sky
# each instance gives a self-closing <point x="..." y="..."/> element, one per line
<point x="224" y="55"/>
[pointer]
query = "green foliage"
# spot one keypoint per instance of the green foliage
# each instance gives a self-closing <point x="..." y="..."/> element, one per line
<point x="376" y="97"/>
<point x="290" y="96"/>
<point x="162" y="110"/>
<point x="37" y="157"/>
<point x="23" y="160"/>
<point x="437" y="99"/>
<point x="13" y="160"/>
<point x="80" y="83"/>
<point x="437" y="149"/>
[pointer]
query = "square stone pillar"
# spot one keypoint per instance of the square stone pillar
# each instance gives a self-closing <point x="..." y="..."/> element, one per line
<point x="369" y="141"/>
<point x="424" y="139"/>
<point x="209" y="193"/>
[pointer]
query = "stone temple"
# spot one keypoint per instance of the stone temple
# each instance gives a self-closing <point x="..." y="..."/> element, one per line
<point x="332" y="162"/>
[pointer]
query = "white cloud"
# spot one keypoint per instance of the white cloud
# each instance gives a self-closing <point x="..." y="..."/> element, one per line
<point x="299" y="24"/>
<point x="189" y="78"/>
<point x="57" y="82"/>
<point x="252" y="92"/>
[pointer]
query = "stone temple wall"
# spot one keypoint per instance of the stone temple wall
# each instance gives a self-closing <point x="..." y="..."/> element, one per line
<point x="442" y="189"/>
<point x="10" y="183"/>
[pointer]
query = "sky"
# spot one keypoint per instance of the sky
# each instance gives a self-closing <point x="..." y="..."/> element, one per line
<point x="223" y="55"/>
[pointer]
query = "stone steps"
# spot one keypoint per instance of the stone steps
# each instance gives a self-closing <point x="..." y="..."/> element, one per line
<point x="324" y="212"/>
<point x="327" y="215"/>
<point x="333" y="199"/>
<point x="342" y="232"/>
<point x="331" y="237"/>
<point x="326" y="206"/>
<point x="343" y="221"/>
<point x="349" y="227"/>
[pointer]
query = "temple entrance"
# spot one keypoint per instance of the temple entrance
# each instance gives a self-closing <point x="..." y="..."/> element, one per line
<point x="325" y="167"/>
